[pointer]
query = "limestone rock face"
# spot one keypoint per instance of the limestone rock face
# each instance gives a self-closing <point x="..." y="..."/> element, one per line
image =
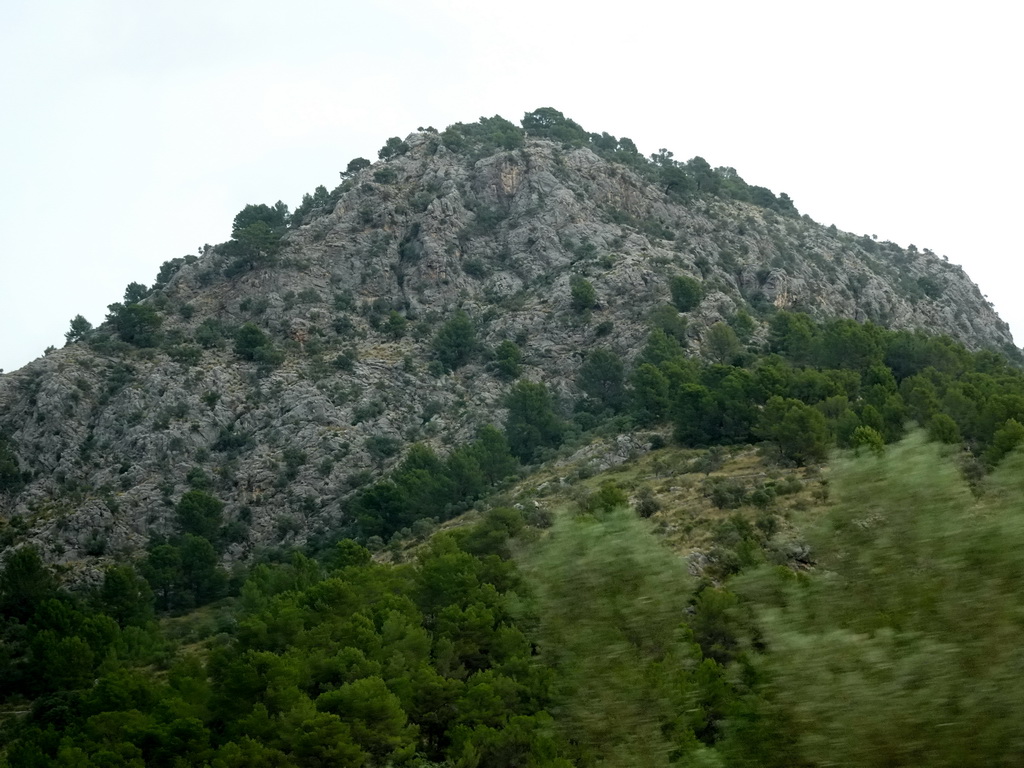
<point x="111" y="435"/>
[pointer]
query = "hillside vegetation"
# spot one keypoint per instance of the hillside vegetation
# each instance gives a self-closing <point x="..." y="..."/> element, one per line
<point x="891" y="643"/>
<point x="519" y="449"/>
<point x="431" y="294"/>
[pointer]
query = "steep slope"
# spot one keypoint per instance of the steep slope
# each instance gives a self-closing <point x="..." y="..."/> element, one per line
<point x="283" y="373"/>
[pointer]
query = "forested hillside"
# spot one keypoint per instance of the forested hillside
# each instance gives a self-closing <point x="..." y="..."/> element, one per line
<point x="593" y="645"/>
<point x="519" y="449"/>
<point x="488" y="264"/>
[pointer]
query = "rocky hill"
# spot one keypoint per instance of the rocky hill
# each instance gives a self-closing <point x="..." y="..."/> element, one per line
<point x="287" y="368"/>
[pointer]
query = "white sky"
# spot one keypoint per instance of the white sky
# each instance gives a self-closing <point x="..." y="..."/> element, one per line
<point x="132" y="133"/>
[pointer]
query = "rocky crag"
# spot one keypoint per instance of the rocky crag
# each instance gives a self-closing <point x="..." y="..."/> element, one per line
<point x="556" y="240"/>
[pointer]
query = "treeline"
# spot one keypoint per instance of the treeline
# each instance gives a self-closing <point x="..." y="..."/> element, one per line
<point x="603" y="652"/>
<point x="340" y="663"/>
<point x="595" y="648"/>
<point x="680" y="180"/>
<point x="425" y="486"/>
<point x="813" y="386"/>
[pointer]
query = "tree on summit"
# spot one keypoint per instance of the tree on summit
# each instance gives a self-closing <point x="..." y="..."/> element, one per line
<point x="275" y="217"/>
<point x="79" y="328"/>
<point x="255" y="236"/>
<point x="392" y="148"/>
<point x="549" y="123"/>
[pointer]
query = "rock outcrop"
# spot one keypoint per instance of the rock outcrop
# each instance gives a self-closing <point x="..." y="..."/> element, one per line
<point x="109" y="435"/>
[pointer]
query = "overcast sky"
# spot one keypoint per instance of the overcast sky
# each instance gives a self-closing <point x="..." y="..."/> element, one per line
<point x="132" y="133"/>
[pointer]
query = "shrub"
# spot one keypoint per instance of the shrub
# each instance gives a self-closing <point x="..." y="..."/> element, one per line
<point x="200" y="514"/>
<point x="455" y="343"/>
<point x="601" y="378"/>
<point x="686" y="292"/>
<point x="137" y="324"/>
<point x="507" y="357"/>
<point x="80" y="327"/>
<point x="252" y="344"/>
<point x="582" y="294"/>
<point x="532" y="422"/>
<point x="11" y="477"/>
<point x="394" y="147"/>
<point x="355" y="165"/>
<point x="646" y="504"/>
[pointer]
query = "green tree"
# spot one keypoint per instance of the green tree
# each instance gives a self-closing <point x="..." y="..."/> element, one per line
<point x="532" y="422"/>
<point x="200" y="575"/>
<point x="666" y="318"/>
<point x="686" y="292"/>
<point x="162" y="569"/>
<point x="895" y="658"/>
<point x="62" y="663"/>
<point x="793" y="335"/>
<point x="135" y="292"/>
<point x="799" y="430"/>
<point x="12" y="479"/>
<point x="493" y="455"/>
<point x="582" y="294"/>
<point x="661" y="348"/>
<point x="455" y="343"/>
<point x="25" y="582"/>
<point x="507" y="357"/>
<point x="253" y="344"/>
<point x="604" y="500"/>
<point x="601" y="380"/>
<point x="608" y="598"/>
<point x="694" y="413"/>
<point x="703" y="175"/>
<point x="650" y="394"/>
<point x="942" y="429"/>
<point x="80" y="328"/>
<point x="136" y="324"/>
<point x="549" y="123"/>
<point x="395" y="325"/>
<point x="722" y="344"/>
<point x="373" y="713"/>
<point x="200" y="514"/>
<point x="1005" y="440"/>
<point x="866" y="437"/>
<point x="275" y="218"/>
<point x="392" y="148"/>
<point x="125" y="596"/>
<point x="255" y="237"/>
<point x="355" y="165"/>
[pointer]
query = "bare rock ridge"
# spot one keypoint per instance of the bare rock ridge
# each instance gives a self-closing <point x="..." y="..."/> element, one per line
<point x="283" y="373"/>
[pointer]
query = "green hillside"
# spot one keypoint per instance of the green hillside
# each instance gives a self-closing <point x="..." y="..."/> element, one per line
<point x="519" y="449"/>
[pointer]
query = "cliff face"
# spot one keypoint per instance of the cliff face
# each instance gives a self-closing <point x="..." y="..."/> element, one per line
<point x="109" y="435"/>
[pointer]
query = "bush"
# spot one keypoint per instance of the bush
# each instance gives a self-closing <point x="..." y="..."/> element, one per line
<point x="686" y="292"/>
<point x="725" y="493"/>
<point x="253" y="344"/>
<point x="582" y="294"/>
<point x="137" y="324"/>
<point x="355" y="165"/>
<point x="601" y="378"/>
<point x="532" y="422"/>
<point x="200" y="514"/>
<point x="646" y="504"/>
<point x="455" y="343"/>
<point x="393" y="148"/>
<point x="80" y="327"/>
<point x="507" y="357"/>
<point x="12" y="479"/>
